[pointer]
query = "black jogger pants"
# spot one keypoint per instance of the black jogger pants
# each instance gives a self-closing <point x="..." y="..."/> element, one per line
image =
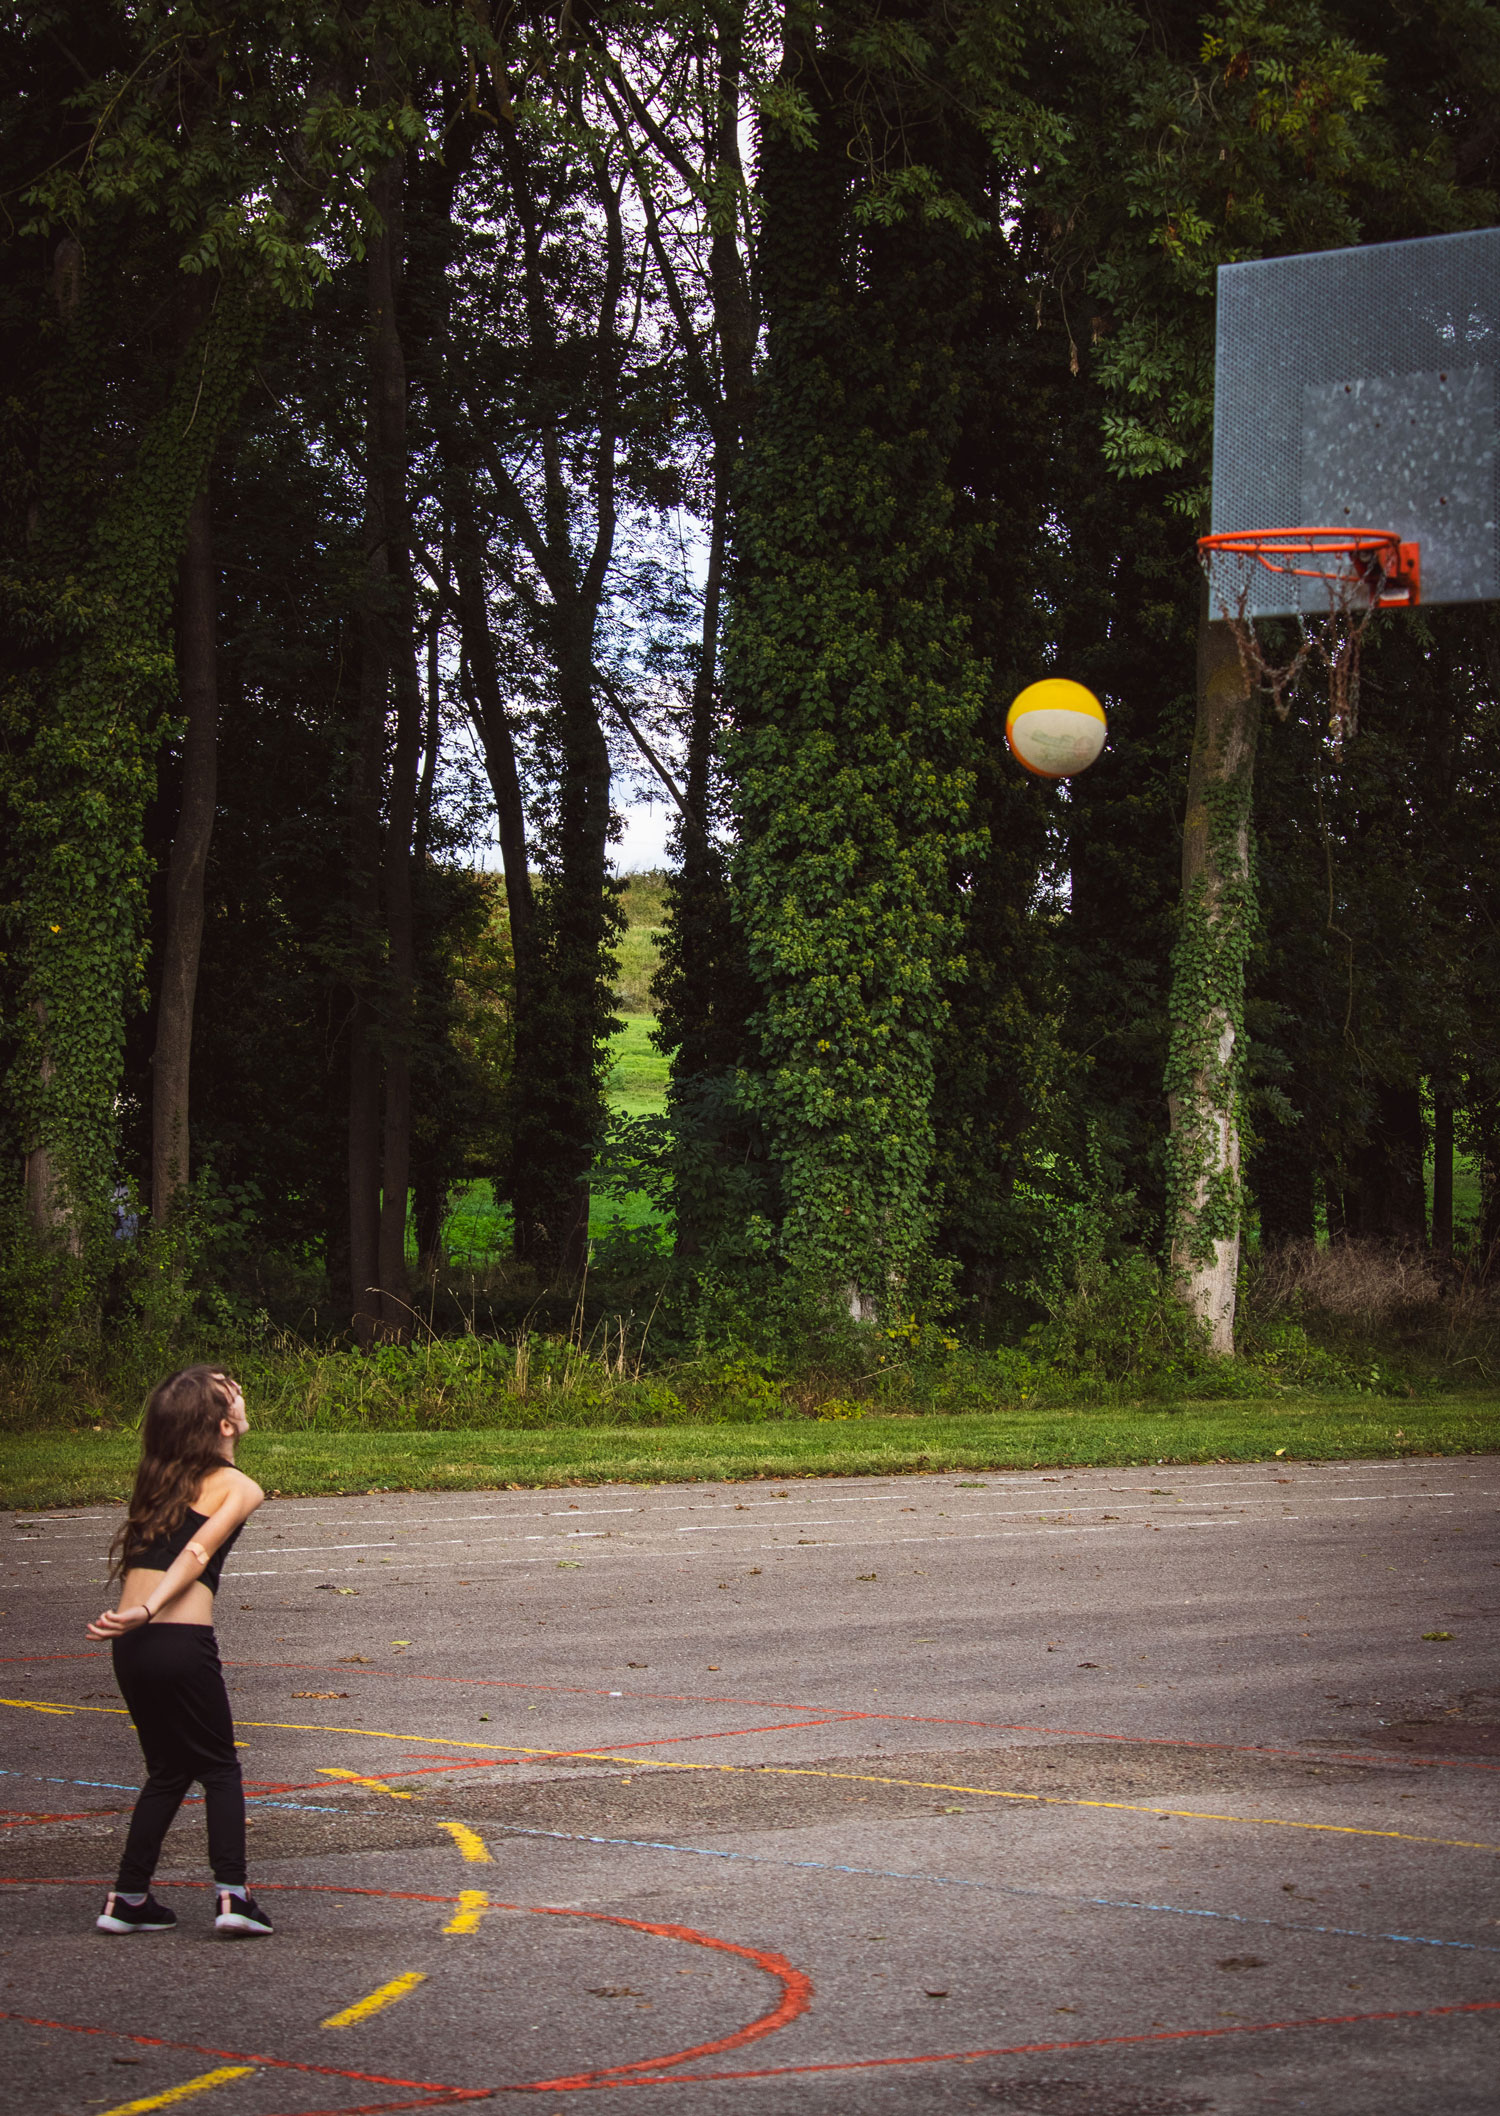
<point x="170" y="1678"/>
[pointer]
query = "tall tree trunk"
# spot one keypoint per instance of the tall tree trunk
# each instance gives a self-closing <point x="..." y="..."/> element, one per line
<point x="559" y="1104"/>
<point x="586" y="925"/>
<point x="699" y="1024"/>
<point x="429" y="1191"/>
<point x="1442" y="1171"/>
<point x="401" y="973"/>
<point x="1206" y="1058"/>
<point x="364" y="1083"/>
<point x="486" y="705"/>
<point x="393" y="618"/>
<point x="432" y="737"/>
<point x="1333" y="1203"/>
<point x="385" y="398"/>
<point x="1488" y="1130"/>
<point x="197" y="665"/>
<point x="479" y="670"/>
<point x="1384" y="1194"/>
<point x="1282" y="1178"/>
<point x="703" y="990"/>
<point x="429" y="1212"/>
<point x="563" y="1006"/>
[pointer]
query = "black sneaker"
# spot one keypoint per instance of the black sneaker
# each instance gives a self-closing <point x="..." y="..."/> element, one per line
<point x="241" y="1917"/>
<point x="150" y="1916"/>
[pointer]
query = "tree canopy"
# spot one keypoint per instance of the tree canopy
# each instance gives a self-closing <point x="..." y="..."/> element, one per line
<point x="430" y="427"/>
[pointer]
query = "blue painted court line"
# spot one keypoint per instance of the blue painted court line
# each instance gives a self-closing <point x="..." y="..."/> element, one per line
<point x="102" y="1785"/>
<point x="108" y="1785"/>
<point x="303" y="1807"/>
<point x="1045" y="1895"/>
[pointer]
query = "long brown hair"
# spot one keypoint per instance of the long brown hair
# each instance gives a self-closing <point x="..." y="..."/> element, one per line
<point x="180" y="1445"/>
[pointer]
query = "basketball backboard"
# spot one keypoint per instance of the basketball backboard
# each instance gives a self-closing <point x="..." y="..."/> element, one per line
<point x="1358" y="389"/>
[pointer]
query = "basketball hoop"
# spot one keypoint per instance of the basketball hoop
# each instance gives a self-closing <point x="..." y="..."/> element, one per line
<point x="1359" y="571"/>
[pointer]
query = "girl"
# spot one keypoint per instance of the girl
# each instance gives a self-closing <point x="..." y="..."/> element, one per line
<point x="188" y="1506"/>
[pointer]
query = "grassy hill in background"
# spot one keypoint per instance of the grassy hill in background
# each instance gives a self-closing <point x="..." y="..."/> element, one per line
<point x="478" y="1229"/>
<point x="638" y="1084"/>
<point x="644" y="901"/>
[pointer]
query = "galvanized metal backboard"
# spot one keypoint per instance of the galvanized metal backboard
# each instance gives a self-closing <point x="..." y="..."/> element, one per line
<point x="1358" y="387"/>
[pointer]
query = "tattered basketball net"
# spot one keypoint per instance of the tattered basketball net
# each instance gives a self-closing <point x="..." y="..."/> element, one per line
<point x="1359" y="570"/>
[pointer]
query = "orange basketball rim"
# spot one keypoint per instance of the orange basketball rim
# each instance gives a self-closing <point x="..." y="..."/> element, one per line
<point x="1375" y="559"/>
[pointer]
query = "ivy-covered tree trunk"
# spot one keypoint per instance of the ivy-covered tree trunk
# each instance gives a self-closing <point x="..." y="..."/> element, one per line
<point x="1206" y="1057"/>
<point x="856" y="694"/>
<point x="182" y="934"/>
<point x="86" y="720"/>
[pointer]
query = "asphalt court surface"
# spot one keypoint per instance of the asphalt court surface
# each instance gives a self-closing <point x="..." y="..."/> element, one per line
<point x="1096" y="1793"/>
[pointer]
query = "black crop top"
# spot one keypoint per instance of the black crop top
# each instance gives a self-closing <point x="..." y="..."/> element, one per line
<point x="157" y="1556"/>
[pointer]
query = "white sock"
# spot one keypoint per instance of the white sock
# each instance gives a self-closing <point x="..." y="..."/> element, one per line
<point x="135" y="1902"/>
<point x="233" y="1888"/>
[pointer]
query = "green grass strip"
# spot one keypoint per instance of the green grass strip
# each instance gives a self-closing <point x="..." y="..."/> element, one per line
<point x="82" y="1469"/>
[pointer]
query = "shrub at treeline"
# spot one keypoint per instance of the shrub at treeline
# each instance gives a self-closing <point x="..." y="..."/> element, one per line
<point x="423" y="424"/>
<point x="1114" y="1342"/>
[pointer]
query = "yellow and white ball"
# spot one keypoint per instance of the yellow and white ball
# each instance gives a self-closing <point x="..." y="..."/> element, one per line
<point x="1055" y="728"/>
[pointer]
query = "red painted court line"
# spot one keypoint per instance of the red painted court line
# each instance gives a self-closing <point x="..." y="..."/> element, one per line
<point x="915" y="1719"/>
<point x="21" y="1820"/>
<point x="796" y="1996"/>
<point x="962" y="2057"/>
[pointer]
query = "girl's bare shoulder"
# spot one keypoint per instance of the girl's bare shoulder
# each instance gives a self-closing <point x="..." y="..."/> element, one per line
<point x="222" y="1485"/>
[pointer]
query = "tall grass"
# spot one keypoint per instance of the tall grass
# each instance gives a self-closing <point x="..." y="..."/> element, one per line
<point x="644" y="902"/>
<point x="1383" y="1309"/>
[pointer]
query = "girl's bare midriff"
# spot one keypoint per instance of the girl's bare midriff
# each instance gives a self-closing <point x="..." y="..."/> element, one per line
<point x="195" y="1605"/>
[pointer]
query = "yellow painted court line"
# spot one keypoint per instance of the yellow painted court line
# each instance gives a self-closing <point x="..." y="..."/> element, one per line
<point x="989" y="1792"/>
<point x="299" y="1726"/>
<point x="980" y="1792"/>
<point x="472" y="1905"/>
<point x="469" y="1842"/>
<point x="378" y="1785"/>
<point x="200" y="2085"/>
<point x="387" y="1995"/>
<point x="1128" y="1807"/>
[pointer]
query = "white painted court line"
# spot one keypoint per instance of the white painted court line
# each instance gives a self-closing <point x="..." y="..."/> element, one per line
<point x="624" y="1549"/>
<point x="798" y="1523"/>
